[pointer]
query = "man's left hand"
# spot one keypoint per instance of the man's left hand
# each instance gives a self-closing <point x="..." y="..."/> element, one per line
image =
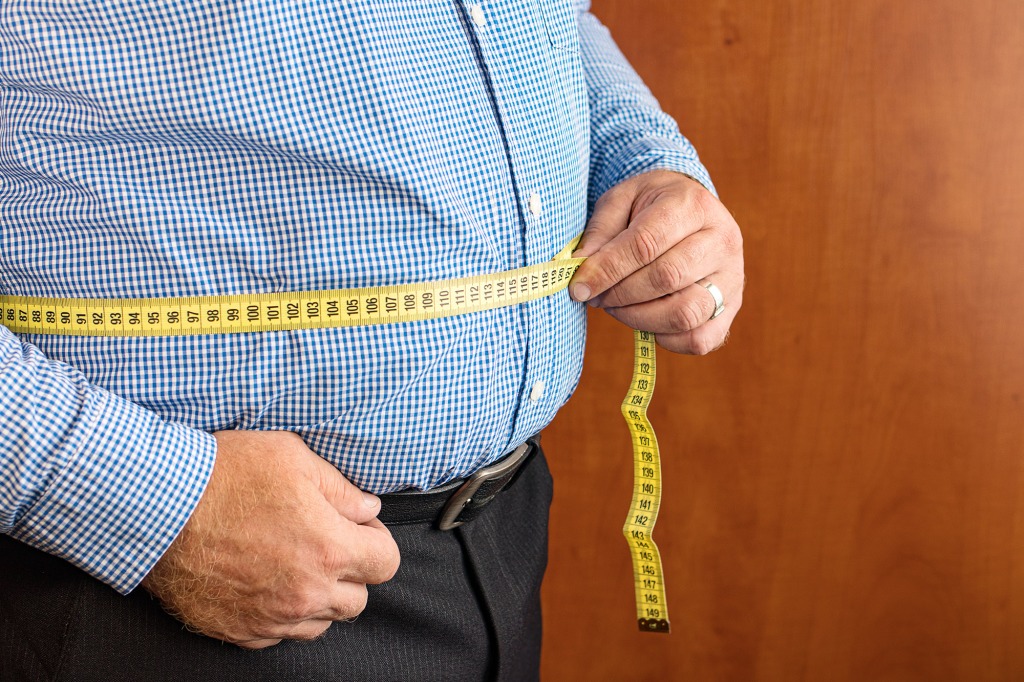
<point x="653" y="242"/>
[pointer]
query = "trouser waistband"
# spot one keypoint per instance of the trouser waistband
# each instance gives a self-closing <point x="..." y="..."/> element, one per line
<point x="453" y="504"/>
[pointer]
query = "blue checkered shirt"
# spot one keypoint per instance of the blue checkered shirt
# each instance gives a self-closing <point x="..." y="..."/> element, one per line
<point x="154" y="148"/>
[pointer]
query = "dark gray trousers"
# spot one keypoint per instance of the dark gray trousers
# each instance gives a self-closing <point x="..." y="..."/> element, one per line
<point x="465" y="605"/>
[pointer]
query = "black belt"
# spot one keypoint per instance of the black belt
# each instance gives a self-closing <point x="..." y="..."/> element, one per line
<point x="455" y="503"/>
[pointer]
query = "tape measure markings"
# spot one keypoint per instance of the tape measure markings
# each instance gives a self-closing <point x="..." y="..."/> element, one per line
<point x="283" y="311"/>
<point x="651" y="605"/>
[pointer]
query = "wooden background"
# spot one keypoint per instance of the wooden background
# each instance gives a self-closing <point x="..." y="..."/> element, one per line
<point x="845" y="480"/>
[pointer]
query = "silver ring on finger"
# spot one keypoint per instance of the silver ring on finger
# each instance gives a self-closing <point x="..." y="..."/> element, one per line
<point x="716" y="294"/>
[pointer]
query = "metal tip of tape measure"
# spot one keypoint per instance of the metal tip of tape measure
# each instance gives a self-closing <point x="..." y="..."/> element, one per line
<point x="654" y="625"/>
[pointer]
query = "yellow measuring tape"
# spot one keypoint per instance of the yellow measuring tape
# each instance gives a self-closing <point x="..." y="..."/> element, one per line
<point x="651" y="608"/>
<point x="279" y="311"/>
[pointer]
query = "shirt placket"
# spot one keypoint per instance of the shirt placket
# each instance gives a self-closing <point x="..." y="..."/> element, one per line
<point x="514" y="108"/>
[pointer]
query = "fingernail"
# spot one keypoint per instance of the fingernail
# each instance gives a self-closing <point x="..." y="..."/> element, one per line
<point x="580" y="292"/>
<point x="371" y="500"/>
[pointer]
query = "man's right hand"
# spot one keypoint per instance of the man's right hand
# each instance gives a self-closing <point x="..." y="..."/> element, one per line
<point x="279" y="547"/>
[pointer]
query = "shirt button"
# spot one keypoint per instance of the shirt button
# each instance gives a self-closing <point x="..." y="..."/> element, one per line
<point x="537" y="392"/>
<point x="534" y="204"/>
<point x="477" y="13"/>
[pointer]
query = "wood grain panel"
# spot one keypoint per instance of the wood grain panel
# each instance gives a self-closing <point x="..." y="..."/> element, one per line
<point x="844" y="481"/>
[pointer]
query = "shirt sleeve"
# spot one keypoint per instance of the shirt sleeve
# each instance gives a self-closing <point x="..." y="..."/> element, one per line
<point x="630" y="134"/>
<point x="88" y="476"/>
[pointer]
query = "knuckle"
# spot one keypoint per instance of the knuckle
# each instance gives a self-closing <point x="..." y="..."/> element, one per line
<point x="296" y="601"/>
<point x="693" y="251"/>
<point x="688" y="317"/>
<point x="702" y="344"/>
<point x="669" y="275"/>
<point x="332" y="556"/>
<point x="598" y="223"/>
<point x="666" y="212"/>
<point x="310" y="630"/>
<point x="383" y="562"/>
<point x="732" y="240"/>
<point x="354" y="603"/>
<point x="683" y="212"/>
<point x="619" y="193"/>
<point x="614" y="200"/>
<point x="704" y="204"/>
<point x="263" y="631"/>
<point x="644" y="246"/>
<point x="312" y="601"/>
<point x="299" y="607"/>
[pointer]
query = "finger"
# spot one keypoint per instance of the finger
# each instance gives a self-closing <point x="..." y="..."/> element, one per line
<point x="702" y="340"/>
<point x="683" y="311"/>
<point x="310" y="629"/>
<point x="347" y="600"/>
<point x="364" y="553"/>
<point x="304" y="630"/>
<point x="675" y="270"/>
<point x="354" y="504"/>
<point x="610" y="217"/>
<point x="306" y="614"/>
<point x="651" y="233"/>
<point x="258" y="643"/>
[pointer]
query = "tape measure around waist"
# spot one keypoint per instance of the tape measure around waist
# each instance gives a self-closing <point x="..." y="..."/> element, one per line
<point x="282" y="311"/>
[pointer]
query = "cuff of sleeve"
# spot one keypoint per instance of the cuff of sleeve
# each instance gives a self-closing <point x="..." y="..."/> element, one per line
<point x="131" y="483"/>
<point x="646" y="155"/>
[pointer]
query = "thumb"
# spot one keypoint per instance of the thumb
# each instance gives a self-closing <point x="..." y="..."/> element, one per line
<point x="349" y="501"/>
<point x="610" y="217"/>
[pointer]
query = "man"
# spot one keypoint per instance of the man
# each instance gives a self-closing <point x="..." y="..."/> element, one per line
<point x="255" y="484"/>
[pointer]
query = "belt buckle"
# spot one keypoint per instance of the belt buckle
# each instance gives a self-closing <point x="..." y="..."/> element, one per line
<point x="484" y="484"/>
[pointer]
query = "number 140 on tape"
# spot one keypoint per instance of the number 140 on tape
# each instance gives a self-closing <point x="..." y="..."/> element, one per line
<point x="648" y="577"/>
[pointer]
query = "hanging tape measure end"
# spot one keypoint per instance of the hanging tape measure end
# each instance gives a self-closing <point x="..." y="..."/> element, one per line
<point x="654" y="625"/>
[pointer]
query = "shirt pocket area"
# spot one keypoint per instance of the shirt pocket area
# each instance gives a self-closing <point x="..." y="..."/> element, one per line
<point x="560" y="22"/>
